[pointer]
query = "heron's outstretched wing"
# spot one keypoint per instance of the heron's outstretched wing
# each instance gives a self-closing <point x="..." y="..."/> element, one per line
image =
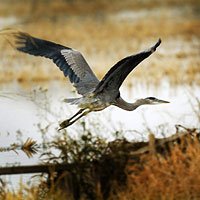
<point x="117" y="74"/>
<point x="69" y="61"/>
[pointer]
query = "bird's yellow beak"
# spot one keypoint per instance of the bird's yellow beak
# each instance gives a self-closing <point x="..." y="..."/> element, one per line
<point x="163" y="101"/>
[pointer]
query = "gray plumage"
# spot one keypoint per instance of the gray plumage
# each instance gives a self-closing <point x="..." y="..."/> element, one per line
<point x="69" y="61"/>
<point x="96" y="95"/>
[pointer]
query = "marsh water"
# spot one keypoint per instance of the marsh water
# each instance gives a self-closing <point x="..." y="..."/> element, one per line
<point x="24" y="110"/>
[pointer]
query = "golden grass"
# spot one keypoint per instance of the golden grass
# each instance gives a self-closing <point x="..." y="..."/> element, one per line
<point x="171" y="177"/>
<point x="155" y="177"/>
<point x="104" y="39"/>
<point x="81" y="7"/>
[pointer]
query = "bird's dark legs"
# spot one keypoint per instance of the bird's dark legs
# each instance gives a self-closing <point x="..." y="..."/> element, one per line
<point x="79" y="112"/>
<point x="68" y="122"/>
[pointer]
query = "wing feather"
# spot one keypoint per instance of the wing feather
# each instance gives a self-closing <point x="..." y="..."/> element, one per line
<point x="69" y="61"/>
<point x="117" y="74"/>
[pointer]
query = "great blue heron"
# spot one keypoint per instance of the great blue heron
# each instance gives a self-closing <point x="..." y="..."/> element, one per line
<point x="96" y="95"/>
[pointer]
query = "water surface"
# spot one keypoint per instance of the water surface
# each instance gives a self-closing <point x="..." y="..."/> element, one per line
<point x="22" y="109"/>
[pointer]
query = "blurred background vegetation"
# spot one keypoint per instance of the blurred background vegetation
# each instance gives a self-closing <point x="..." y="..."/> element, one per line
<point x="105" y="32"/>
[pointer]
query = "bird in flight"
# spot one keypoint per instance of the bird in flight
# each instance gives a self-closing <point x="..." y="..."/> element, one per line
<point x="96" y="94"/>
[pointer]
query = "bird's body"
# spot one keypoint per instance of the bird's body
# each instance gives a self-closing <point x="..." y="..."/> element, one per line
<point x="96" y="95"/>
<point x="92" y="102"/>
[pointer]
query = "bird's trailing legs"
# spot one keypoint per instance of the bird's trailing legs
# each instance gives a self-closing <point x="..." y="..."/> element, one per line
<point x="70" y="121"/>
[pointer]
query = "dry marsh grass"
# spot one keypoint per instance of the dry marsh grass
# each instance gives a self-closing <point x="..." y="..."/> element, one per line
<point x="172" y="177"/>
<point x="169" y="173"/>
<point x="105" y="38"/>
<point x="82" y="7"/>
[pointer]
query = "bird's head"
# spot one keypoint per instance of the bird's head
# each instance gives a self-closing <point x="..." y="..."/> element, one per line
<point x="150" y="101"/>
<point x="153" y="101"/>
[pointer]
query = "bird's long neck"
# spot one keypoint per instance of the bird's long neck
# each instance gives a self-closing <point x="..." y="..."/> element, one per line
<point x="125" y="105"/>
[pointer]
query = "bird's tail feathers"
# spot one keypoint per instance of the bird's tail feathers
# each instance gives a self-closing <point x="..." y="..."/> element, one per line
<point x="74" y="101"/>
